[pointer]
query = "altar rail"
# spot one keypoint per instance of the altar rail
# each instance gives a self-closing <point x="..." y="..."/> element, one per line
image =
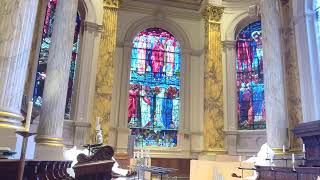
<point x="287" y="173"/>
<point x="40" y="170"/>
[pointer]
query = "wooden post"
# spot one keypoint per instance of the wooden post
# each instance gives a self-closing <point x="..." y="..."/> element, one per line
<point x="25" y="136"/>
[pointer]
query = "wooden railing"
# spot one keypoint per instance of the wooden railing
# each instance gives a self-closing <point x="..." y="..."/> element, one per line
<point x="288" y="173"/>
<point x="40" y="170"/>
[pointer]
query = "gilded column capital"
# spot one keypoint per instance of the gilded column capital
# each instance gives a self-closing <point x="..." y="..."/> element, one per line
<point x="212" y="13"/>
<point x="114" y="4"/>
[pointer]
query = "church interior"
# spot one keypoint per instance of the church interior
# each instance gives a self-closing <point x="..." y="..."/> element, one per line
<point x="160" y="89"/>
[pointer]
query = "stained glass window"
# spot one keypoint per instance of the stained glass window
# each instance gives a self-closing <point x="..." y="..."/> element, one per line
<point x="43" y="58"/>
<point x="250" y="86"/>
<point x="154" y="101"/>
<point x="317" y="9"/>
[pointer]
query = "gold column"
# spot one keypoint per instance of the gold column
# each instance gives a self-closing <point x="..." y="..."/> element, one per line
<point x="291" y="73"/>
<point x="105" y="68"/>
<point x="213" y="86"/>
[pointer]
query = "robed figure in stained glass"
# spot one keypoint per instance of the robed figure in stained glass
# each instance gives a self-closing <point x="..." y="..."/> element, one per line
<point x="250" y="84"/>
<point x="154" y="102"/>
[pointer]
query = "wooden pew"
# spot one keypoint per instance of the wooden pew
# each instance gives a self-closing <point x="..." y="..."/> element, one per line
<point x="287" y="173"/>
<point x="49" y="170"/>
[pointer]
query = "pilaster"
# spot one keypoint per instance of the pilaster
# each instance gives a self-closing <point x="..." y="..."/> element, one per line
<point x="55" y="90"/>
<point x="213" y="83"/>
<point x="105" y="69"/>
<point x="292" y="79"/>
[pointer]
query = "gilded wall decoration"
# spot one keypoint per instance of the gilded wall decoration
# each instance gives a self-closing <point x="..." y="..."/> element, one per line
<point x="291" y="72"/>
<point x="213" y="78"/>
<point x="105" y="69"/>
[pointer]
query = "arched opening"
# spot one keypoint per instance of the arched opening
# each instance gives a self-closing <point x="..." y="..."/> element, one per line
<point x="44" y="54"/>
<point x="249" y="78"/>
<point x="154" y="88"/>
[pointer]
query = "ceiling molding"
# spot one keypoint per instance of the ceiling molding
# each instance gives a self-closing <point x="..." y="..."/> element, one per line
<point x="184" y="4"/>
<point x="139" y="6"/>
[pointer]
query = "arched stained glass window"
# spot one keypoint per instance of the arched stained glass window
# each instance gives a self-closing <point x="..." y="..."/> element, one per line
<point x="43" y="58"/>
<point x="154" y="101"/>
<point x="250" y="86"/>
<point x="317" y="10"/>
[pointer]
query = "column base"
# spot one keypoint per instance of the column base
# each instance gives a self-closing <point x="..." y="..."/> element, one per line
<point x="80" y="137"/>
<point x="49" y="153"/>
<point x="231" y="137"/>
<point x="49" y="141"/>
<point x="278" y="151"/>
<point x="11" y="120"/>
<point x="211" y="154"/>
<point x="122" y="139"/>
<point x="8" y="138"/>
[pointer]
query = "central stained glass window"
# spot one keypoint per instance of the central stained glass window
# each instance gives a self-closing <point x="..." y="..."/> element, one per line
<point x="154" y="88"/>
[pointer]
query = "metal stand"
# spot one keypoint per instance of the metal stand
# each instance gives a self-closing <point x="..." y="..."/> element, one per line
<point x="25" y="136"/>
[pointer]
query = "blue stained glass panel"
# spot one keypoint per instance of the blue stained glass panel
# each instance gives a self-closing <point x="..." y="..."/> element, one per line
<point x="317" y="11"/>
<point x="250" y="85"/>
<point x="154" y="101"/>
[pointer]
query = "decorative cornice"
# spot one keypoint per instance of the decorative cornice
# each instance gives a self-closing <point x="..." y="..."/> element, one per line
<point x="92" y="26"/>
<point x="114" y="4"/>
<point x="193" y="5"/>
<point x="82" y="124"/>
<point x="212" y="13"/>
<point x="229" y="43"/>
<point x="150" y="9"/>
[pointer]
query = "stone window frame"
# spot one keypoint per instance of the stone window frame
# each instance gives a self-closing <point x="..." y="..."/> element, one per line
<point x="237" y="141"/>
<point x="119" y="125"/>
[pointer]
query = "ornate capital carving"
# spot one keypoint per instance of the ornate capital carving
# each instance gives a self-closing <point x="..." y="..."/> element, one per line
<point x="212" y="13"/>
<point x="254" y="11"/>
<point x="111" y="4"/>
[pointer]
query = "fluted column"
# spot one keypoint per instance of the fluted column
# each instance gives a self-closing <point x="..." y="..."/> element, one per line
<point x="213" y="82"/>
<point x="273" y="68"/>
<point x="105" y="68"/>
<point x="16" y="33"/>
<point x="58" y="67"/>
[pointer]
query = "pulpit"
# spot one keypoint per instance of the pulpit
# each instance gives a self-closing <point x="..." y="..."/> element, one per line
<point x="97" y="166"/>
